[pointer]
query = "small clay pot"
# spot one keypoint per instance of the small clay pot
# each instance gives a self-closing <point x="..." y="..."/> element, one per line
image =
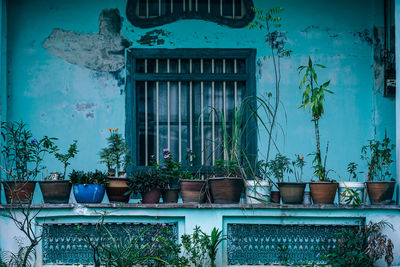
<point x="276" y="197"/>
<point x="117" y="189"/>
<point x="381" y="193"/>
<point x="323" y="192"/>
<point x="152" y="196"/>
<point x="170" y="195"/>
<point x="19" y="192"/>
<point x="226" y="190"/>
<point x="292" y="193"/>
<point x="193" y="191"/>
<point x="56" y="192"/>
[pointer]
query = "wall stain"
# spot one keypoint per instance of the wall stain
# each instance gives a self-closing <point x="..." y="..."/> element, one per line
<point x="87" y="108"/>
<point x="317" y="28"/>
<point x="102" y="51"/>
<point x="364" y="36"/>
<point x="154" y="37"/>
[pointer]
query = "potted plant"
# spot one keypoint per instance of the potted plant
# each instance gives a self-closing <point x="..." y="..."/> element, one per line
<point x="378" y="155"/>
<point x="291" y="192"/>
<point x="22" y="157"/>
<point x="170" y="170"/>
<point x="351" y="193"/>
<point x="323" y="191"/>
<point x="148" y="183"/>
<point x="193" y="188"/>
<point x="258" y="190"/>
<point x="116" y="157"/>
<point x="55" y="188"/>
<point x="88" y="187"/>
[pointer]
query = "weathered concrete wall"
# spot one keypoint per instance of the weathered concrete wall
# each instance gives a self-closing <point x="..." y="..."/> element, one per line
<point x="65" y="70"/>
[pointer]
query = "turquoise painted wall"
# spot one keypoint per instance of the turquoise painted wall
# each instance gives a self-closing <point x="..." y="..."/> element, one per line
<point x="70" y="102"/>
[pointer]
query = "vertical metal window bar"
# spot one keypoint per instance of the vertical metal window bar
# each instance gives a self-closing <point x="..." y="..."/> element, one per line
<point x="147" y="8"/>
<point x="184" y="5"/>
<point x="201" y="114"/>
<point x="179" y="113"/>
<point x="235" y="83"/>
<point x="197" y="6"/>
<point x="190" y="5"/>
<point x="209" y="7"/>
<point x="172" y="6"/>
<point x="220" y="8"/>
<point x="212" y="114"/>
<point x="146" y="121"/>
<point x="190" y="105"/>
<point x="224" y="101"/>
<point x="168" y="109"/>
<point x="233" y="9"/>
<point x="157" y="119"/>
<point x="159" y="7"/>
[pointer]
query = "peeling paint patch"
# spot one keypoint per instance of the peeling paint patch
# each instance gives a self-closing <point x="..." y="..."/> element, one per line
<point x="364" y="36"/>
<point x="154" y="37"/>
<point x="277" y="38"/>
<point x="86" y="108"/>
<point x="317" y="28"/>
<point x="102" y="51"/>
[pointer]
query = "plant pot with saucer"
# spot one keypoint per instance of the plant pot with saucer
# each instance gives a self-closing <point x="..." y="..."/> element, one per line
<point x="88" y="187"/>
<point x="380" y="184"/>
<point x="170" y="170"/>
<point x="148" y="183"/>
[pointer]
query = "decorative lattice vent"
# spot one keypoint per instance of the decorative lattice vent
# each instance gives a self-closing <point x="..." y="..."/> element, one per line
<point x="259" y="244"/>
<point x="65" y="244"/>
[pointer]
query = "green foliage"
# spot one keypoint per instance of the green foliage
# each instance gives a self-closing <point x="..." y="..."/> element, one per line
<point x="378" y="155"/>
<point x="81" y="177"/>
<point x="22" y="153"/>
<point x="212" y="242"/>
<point x="116" y="154"/>
<point x="352" y="197"/>
<point x="361" y="247"/>
<point x="313" y="97"/>
<point x="278" y="167"/>
<point x="352" y="170"/>
<point x="22" y="258"/>
<point x="64" y="158"/>
<point x="146" y="180"/>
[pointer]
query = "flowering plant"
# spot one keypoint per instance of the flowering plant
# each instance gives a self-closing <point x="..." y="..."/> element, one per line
<point x="116" y="154"/>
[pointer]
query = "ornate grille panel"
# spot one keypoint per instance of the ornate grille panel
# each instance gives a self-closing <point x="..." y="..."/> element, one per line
<point x="258" y="244"/>
<point x="65" y="244"/>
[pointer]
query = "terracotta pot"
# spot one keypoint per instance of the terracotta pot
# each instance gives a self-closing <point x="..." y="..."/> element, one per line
<point x="56" y="192"/>
<point x="292" y="193"/>
<point x="170" y="195"/>
<point x="226" y="190"/>
<point x="380" y="193"/>
<point x="193" y="191"/>
<point x="19" y="192"/>
<point x="152" y="196"/>
<point x="117" y="189"/>
<point x="276" y="197"/>
<point x="323" y="192"/>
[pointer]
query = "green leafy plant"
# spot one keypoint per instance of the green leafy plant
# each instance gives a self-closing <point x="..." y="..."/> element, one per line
<point x="22" y="153"/>
<point x="212" y="243"/>
<point x="81" y="177"/>
<point x="116" y="154"/>
<point x="185" y="174"/>
<point x="361" y="246"/>
<point x="65" y="158"/>
<point x="352" y="170"/>
<point x="145" y="181"/>
<point x="270" y="21"/>
<point x="378" y="155"/>
<point x="314" y="97"/>
<point x="278" y="167"/>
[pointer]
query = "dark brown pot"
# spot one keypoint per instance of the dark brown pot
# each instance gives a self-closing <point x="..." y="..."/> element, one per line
<point x="276" y="197"/>
<point x="193" y="191"/>
<point x="152" y="196"/>
<point x="56" y="192"/>
<point x="19" y="192"/>
<point x="380" y="193"/>
<point x="323" y="192"/>
<point x="226" y="190"/>
<point x="170" y="195"/>
<point x="116" y="190"/>
<point x="292" y="193"/>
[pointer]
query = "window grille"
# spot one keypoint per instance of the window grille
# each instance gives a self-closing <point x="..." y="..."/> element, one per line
<point x="150" y="13"/>
<point x="171" y="95"/>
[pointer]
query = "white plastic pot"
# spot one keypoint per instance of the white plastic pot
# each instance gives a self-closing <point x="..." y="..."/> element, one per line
<point x="258" y="191"/>
<point x="355" y="188"/>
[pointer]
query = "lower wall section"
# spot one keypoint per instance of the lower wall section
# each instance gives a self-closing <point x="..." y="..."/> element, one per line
<point x="256" y="235"/>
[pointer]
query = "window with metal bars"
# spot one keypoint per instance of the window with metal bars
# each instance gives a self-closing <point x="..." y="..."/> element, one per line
<point x="150" y="13"/>
<point x="170" y="97"/>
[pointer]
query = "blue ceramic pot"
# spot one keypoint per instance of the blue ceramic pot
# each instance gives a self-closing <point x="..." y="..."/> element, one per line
<point x="90" y="193"/>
